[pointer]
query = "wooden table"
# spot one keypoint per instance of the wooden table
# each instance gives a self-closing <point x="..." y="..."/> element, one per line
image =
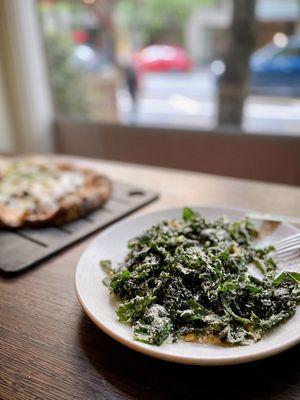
<point x="49" y="349"/>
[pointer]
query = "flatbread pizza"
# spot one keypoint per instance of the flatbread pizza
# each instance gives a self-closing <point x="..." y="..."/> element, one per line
<point x="37" y="192"/>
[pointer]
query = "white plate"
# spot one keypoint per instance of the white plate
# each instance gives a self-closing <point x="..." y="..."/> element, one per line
<point x="96" y="302"/>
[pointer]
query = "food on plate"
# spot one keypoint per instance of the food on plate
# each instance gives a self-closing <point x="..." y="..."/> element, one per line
<point x="191" y="279"/>
<point x="38" y="192"/>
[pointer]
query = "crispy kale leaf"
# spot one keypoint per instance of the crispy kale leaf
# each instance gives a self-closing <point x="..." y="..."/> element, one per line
<point x="191" y="276"/>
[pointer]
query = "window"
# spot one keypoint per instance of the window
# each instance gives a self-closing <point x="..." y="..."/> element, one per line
<point x="198" y="64"/>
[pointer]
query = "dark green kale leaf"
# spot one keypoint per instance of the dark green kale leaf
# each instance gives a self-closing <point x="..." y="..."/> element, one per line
<point x="155" y="326"/>
<point x="188" y="214"/>
<point x="190" y="277"/>
<point x="106" y="266"/>
<point x="287" y="277"/>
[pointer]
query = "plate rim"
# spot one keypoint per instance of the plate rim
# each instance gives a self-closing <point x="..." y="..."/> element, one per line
<point x="143" y="348"/>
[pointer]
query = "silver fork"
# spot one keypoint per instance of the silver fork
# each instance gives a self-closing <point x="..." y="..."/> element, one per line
<point x="288" y="247"/>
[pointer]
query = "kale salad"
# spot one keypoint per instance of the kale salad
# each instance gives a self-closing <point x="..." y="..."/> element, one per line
<point x="189" y="279"/>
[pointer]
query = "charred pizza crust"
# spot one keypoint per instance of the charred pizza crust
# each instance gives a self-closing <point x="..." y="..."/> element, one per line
<point x="91" y="195"/>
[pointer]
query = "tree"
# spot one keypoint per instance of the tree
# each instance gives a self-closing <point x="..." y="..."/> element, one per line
<point x="104" y="11"/>
<point x="233" y="84"/>
<point x="156" y="19"/>
<point x="70" y="95"/>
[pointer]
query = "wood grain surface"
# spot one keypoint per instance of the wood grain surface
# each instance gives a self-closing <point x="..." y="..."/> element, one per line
<point x="50" y="350"/>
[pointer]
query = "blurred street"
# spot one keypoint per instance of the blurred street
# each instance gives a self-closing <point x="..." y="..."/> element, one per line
<point x="189" y="100"/>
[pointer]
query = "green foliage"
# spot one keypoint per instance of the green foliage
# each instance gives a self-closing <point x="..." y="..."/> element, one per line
<point x="68" y="82"/>
<point x="156" y="19"/>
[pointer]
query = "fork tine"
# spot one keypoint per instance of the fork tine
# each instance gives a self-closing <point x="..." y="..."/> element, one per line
<point x="286" y="257"/>
<point x="287" y="244"/>
<point x="287" y="239"/>
<point x="289" y="249"/>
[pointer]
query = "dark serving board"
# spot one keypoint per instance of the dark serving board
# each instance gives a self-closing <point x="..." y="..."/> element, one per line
<point x="23" y="248"/>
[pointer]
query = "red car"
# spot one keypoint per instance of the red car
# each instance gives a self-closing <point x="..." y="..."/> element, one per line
<point x="162" y="58"/>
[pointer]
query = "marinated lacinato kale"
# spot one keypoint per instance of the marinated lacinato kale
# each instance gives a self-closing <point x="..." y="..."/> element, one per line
<point x="189" y="279"/>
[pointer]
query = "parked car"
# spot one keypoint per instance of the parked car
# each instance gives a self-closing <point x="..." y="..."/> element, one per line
<point x="276" y="69"/>
<point x="162" y="58"/>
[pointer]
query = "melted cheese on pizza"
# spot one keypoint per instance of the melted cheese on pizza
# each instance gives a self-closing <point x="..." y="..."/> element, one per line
<point x="29" y="185"/>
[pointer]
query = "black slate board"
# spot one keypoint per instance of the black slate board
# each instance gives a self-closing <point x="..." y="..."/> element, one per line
<point x="23" y="248"/>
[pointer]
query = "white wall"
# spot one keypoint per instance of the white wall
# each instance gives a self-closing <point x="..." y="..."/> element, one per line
<point x="7" y="143"/>
<point x="25" y="76"/>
